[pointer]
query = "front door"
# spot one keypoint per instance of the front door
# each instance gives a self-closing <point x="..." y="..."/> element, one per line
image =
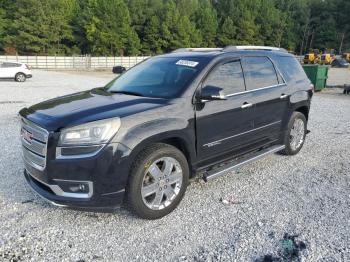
<point x="224" y="125"/>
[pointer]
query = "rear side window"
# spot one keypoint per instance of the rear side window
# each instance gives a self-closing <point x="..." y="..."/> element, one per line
<point x="8" y="65"/>
<point x="259" y="72"/>
<point x="228" y="76"/>
<point x="290" y="68"/>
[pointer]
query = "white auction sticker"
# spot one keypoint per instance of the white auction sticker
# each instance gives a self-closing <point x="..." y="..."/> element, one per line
<point x="187" y="63"/>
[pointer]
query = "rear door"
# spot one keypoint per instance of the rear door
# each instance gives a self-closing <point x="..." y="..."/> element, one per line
<point x="9" y="70"/>
<point x="269" y="95"/>
<point x="224" y="125"/>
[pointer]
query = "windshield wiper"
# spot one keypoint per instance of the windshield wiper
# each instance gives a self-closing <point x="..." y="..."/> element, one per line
<point x="126" y="93"/>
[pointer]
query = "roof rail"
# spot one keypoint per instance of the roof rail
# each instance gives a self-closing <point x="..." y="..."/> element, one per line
<point x="231" y="48"/>
<point x="253" y="47"/>
<point x="196" y="50"/>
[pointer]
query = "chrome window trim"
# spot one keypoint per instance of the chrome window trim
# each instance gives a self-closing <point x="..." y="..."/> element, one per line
<point x="276" y="70"/>
<point x="246" y="132"/>
<point x="279" y="72"/>
<point x="257" y="89"/>
<point x="253" y="90"/>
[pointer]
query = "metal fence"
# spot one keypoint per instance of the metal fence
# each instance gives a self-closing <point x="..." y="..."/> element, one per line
<point x="75" y="62"/>
<point x="299" y="58"/>
<point x="80" y="62"/>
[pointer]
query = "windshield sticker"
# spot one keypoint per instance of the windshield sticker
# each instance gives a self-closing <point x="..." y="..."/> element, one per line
<point x="187" y="63"/>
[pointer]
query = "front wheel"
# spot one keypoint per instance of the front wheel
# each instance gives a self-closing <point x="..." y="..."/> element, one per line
<point x="20" y="77"/>
<point x="295" y="135"/>
<point x="158" y="181"/>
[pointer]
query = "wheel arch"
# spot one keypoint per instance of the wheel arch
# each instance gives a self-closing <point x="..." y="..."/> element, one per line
<point x="304" y="110"/>
<point x="174" y="139"/>
<point x="181" y="145"/>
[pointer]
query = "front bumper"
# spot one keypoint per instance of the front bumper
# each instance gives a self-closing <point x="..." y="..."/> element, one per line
<point x="105" y="176"/>
<point x="100" y="202"/>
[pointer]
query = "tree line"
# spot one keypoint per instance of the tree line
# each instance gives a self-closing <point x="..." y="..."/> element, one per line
<point x="133" y="27"/>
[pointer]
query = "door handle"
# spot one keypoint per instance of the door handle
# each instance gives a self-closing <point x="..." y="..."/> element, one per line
<point x="283" y="96"/>
<point x="246" y="105"/>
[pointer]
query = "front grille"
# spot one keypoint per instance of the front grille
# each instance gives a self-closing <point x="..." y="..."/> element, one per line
<point x="34" y="144"/>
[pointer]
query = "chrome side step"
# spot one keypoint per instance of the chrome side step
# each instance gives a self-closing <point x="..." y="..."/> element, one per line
<point x="217" y="172"/>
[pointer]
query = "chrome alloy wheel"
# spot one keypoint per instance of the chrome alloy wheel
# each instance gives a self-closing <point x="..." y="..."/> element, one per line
<point x="21" y="78"/>
<point x="161" y="183"/>
<point x="297" y="134"/>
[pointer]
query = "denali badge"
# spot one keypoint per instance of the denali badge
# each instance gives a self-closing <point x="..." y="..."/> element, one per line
<point x="27" y="136"/>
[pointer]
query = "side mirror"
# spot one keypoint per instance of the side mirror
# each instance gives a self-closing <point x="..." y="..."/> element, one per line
<point x="118" y="69"/>
<point x="210" y="93"/>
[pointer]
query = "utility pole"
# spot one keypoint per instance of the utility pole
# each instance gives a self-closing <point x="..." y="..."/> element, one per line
<point x="306" y="40"/>
<point x="341" y="44"/>
<point x="304" y="35"/>
<point x="312" y="38"/>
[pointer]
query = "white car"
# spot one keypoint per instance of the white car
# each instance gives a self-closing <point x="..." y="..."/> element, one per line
<point x="15" y="70"/>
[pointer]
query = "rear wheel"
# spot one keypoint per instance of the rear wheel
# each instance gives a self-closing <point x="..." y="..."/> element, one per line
<point x="158" y="181"/>
<point x="20" y="77"/>
<point x="295" y="135"/>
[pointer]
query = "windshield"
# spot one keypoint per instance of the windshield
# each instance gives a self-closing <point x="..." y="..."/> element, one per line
<point x="161" y="77"/>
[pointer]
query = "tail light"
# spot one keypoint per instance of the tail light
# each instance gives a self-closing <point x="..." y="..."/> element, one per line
<point x="27" y="66"/>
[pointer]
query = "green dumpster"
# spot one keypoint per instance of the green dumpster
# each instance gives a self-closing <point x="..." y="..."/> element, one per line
<point x="318" y="75"/>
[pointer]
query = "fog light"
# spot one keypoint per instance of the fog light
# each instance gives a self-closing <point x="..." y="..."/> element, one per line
<point x="78" y="188"/>
<point x="73" y="187"/>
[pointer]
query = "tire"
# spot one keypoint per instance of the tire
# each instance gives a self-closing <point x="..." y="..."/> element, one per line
<point x="295" y="134"/>
<point x="20" y="77"/>
<point x="151" y="194"/>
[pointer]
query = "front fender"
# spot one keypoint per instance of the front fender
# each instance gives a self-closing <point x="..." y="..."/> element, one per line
<point x="142" y="135"/>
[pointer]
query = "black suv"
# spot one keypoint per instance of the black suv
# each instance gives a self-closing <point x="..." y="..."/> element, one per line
<point x="139" y="139"/>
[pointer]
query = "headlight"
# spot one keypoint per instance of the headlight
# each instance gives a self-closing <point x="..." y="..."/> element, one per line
<point x="93" y="133"/>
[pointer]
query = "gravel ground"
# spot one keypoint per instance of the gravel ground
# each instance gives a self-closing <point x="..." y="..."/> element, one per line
<point x="292" y="208"/>
<point x="338" y="76"/>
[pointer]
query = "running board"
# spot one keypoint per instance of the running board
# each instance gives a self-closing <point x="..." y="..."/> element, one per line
<point x="210" y="175"/>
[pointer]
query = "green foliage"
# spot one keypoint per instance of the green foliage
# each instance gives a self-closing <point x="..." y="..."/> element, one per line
<point x="152" y="42"/>
<point x="177" y="30"/>
<point x="107" y="28"/>
<point x="39" y="27"/>
<point x="2" y="25"/>
<point x="132" y="27"/>
<point x="228" y="33"/>
<point x="207" y="23"/>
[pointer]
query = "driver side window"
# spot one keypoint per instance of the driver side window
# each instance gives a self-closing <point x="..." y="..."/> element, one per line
<point x="228" y="76"/>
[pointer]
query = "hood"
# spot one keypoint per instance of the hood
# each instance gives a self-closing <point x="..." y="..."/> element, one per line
<point x="87" y="106"/>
